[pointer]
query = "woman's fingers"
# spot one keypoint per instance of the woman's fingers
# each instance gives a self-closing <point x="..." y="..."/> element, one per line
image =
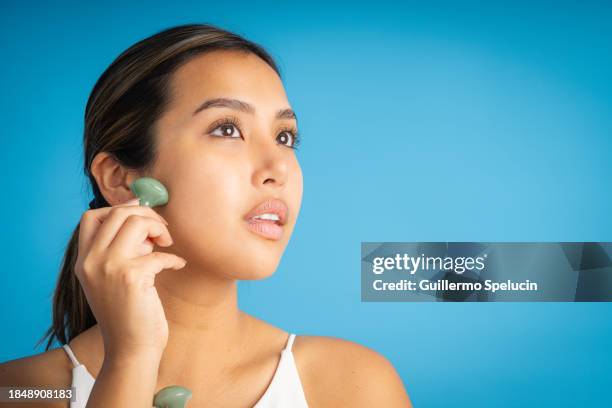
<point x="135" y="203"/>
<point x="135" y="231"/>
<point x="91" y="220"/>
<point x="113" y="219"/>
<point x="149" y="265"/>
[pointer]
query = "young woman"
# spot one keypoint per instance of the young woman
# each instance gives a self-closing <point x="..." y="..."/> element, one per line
<point x="147" y="297"/>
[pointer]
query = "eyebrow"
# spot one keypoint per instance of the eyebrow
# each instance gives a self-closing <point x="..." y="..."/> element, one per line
<point x="241" y="106"/>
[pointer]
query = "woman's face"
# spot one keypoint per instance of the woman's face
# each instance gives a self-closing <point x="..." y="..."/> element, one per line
<point x="216" y="172"/>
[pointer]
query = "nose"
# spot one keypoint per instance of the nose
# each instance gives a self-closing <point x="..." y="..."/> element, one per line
<point x="270" y="165"/>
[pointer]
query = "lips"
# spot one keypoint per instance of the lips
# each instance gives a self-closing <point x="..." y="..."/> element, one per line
<point x="271" y="229"/>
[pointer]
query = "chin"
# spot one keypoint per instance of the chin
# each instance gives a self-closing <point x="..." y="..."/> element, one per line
<point x="258" y="257"/>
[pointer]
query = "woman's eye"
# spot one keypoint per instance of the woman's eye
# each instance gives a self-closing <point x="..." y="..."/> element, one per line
<point x="286" y="138"/>
<point x="227" y="130"/>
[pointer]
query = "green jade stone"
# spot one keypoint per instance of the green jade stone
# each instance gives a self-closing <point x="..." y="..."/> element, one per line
<point x="173" y="396"/>
<point x="151" y="192"/>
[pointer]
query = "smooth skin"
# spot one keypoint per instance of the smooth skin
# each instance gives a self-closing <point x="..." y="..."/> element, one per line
<point x="161" y="322"/>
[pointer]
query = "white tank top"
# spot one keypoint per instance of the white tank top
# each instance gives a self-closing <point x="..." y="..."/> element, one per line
<point x="285" y="389"/>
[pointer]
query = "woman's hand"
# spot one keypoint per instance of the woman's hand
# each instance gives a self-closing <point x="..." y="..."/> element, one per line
<point x="116" y="266"/>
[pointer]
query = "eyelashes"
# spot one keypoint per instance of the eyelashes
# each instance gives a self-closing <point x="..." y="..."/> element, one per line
<point x="231" y="121"/>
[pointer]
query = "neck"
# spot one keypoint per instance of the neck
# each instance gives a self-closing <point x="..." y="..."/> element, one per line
<point x="201" y="310"/>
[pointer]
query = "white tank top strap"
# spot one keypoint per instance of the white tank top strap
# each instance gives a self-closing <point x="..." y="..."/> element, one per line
<point x="290" y="342"/>
<point x="71" y="355"/>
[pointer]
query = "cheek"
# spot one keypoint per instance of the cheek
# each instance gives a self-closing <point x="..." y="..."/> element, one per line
<point x="296" y="190"/>
<point x="205" y="201"/>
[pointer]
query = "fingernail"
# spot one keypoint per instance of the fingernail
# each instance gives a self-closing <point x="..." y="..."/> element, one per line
<point x="133" y="201"/>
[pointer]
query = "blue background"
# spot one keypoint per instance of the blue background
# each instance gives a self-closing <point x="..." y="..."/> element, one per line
<point x="438" y="122"/>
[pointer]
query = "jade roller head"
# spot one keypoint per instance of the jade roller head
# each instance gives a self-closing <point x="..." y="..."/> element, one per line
<point x="151" y="192"/>
<point x="173" y="396"/>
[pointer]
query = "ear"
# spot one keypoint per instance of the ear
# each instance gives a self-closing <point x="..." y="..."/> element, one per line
<point x="112" y="178"/>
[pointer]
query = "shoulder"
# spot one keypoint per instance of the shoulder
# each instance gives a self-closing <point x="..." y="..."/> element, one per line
<point x="338" y="372"/>
<point x="50" y="369"/>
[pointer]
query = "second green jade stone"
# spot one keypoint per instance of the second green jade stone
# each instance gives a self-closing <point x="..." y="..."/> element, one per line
<point x="173" y="396"/>
<point x="151" y="192"/>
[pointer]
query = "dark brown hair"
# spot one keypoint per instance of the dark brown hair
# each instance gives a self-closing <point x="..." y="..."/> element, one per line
<point x="128" y="98"/>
